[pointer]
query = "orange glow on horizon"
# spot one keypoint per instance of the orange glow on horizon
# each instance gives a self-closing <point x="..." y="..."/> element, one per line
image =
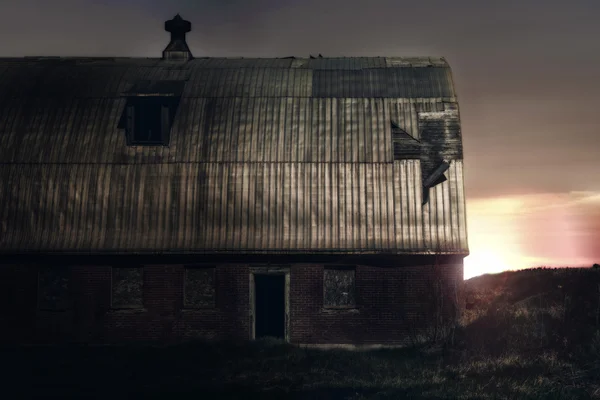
<point x="527" y="231"/>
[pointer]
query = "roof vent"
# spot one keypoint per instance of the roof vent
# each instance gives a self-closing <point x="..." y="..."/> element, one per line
<point x="177" y="49"/>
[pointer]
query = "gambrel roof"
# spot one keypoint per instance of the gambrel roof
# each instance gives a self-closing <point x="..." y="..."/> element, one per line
<point x="264" y="155"/>
<point x="83" y="99"/>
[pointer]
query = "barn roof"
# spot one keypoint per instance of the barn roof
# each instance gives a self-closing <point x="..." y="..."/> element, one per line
<point x="265" y="155"/>
<point x="355" y="77"/>
<point x="71" y="109"/>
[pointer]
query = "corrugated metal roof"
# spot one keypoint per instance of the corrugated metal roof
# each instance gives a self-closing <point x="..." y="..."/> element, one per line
<point x="228" y="206"/>
<point x="142" y="88"/>
<point x="242" y="62"/>
<point x="354" y="63"/>
<point x="383" y="82"/>
<point x="244" y="129"/>
<point x="265" y="155"/>
<point x="346" y="77"/>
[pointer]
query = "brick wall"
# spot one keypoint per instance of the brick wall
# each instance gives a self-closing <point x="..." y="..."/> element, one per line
<point x="389" y="300"/>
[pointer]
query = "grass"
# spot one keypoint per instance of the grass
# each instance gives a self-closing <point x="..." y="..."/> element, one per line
<point x="532" y="335"/>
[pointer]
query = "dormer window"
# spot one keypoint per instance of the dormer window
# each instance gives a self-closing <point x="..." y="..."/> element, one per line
<point x="148" y="122"/>
<point x="150" y="111"/>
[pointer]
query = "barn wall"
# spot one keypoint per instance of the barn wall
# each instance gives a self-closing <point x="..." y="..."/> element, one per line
<point x="91" y="319"/>
<point x="391" y="305"/>
<point x="389" y="299"/>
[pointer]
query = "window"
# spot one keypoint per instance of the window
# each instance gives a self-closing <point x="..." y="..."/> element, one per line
<point x="150" y="111"/>
<point x="339" y="287"/>
<point x="53" y="289"/>
<point x="199" y="287"/>
<point x="148" y="122"/>
<point x="127" y="288"/>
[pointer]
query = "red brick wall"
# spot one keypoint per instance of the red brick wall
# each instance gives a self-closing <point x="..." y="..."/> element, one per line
<point x="390" y="302"/>
<point x="389" y="299"/>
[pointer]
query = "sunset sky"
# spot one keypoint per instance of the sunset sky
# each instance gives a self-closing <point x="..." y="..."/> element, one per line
<point x="527" y="75"/>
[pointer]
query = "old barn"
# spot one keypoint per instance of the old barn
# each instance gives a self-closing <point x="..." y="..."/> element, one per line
<point x="181" y="197"/>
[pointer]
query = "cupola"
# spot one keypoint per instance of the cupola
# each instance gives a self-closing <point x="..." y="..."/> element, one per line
<point x="177" y="49"/>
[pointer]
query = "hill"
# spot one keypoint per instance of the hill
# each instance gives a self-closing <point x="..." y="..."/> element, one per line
<point x="532" y="309"/>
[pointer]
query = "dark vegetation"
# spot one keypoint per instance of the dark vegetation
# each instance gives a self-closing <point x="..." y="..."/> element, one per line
<point x="531" y="334"/>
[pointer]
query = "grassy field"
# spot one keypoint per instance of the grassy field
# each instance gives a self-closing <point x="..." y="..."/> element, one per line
<point x="530" y="334"/>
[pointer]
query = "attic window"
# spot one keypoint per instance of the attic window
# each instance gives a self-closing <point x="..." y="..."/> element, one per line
<point x="150" y="111"/>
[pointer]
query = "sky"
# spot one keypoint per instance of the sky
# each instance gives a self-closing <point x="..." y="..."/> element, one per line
<point x="526" y="72"/>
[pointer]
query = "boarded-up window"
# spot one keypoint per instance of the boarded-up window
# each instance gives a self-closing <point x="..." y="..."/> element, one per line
<point x="199" y="287"/>
<point x="339" y="288"/>
<point x="53" y="289"/>
<point x="127" y="287"/>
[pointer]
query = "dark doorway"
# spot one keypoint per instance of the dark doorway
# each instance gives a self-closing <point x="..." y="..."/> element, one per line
<point x="270" y="305"/>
